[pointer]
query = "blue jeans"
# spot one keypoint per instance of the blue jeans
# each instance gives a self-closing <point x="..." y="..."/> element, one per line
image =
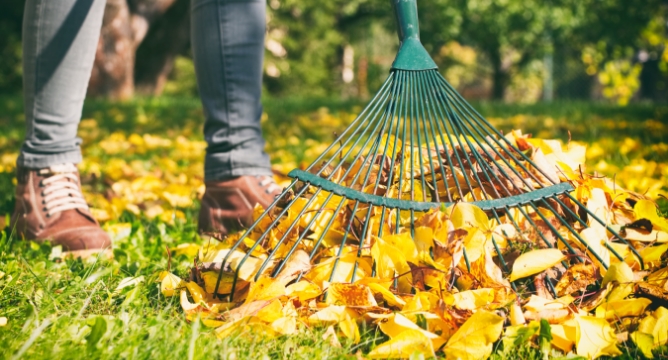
<point x="59" y="43"/>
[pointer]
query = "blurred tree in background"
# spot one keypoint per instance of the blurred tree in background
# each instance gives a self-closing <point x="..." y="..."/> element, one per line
<point x="11" y="18"/>
<point x="512" y="50"/>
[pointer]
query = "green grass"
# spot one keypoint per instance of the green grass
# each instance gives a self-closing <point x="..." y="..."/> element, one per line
<point x="71" y="309"/>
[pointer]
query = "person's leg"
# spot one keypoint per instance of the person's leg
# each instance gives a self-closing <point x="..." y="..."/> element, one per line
<point x="228" y="49"/>
<point x="59" y="42"/>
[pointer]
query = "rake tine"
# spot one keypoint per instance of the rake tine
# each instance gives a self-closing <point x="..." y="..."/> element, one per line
<point x="403" y="158"/>
<point x="450" y="90"/>
<point x="459" y="159"/>
<point x="301" y="236"/>
<point x="445" y="146"/>
<point x="433" y="134"/>
<point x="555" y="231"/>
<point x="361" y="116"/>
<point x="285" y="235"/>
<point x="426" y="136"/>
<point x="343" y="242"/>
<point x="258" y="242"/>
<point x="633" y="250"/>
<point x="458" y="135"/>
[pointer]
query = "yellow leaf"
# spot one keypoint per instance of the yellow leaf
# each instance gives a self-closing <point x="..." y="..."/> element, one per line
<point x="196" y="291"/>
<point x="350" y="295"/>
<point x="265" y="288"/>
<point x="298" y="263"/>
<point x="286" y="325"/>
<point x="538" y="304"/>
<point x="330" y="337"/>
<point x="646" y="209"/>
<point x="464" y="215"/>
<point x="211" y="279"/>
<point x="660" y="331"/>
<point x="596" y="237"/>
<point x="563" y="337"/>
<point x="394" y="324"/>
<point x="471" y="299"/>
<point x="619" y="272"/>
<point x="644" y="236"/>
<point x="332" y="314"/>
<point x="659" y="278"/>
<point x="388" y="296"/>
<point x="211" y="323"/>
<point x="169" y="283"/>
<point x="474" y="339"/>
<point x="272" y="312"/>
<point x="516" y="316"/>
<point x="178" y="195"/>
<point x="345" y="265"/>
<point x="645" y="342"/>
<point x="534" y="262"/>
<point x="614" y="310"/>
<point x="422" y="301"/>
<point x="349" y="328"/>
<point x="487" y="273"/>
<point x="303" y="290"/>
<point x="186" y="305"/>
<point x="619" y="292"/>
<point x="390" y="262"/>
<point x="424" y="239"/>
<point x="405" y="244"/>
<point x="247" y="310"/>
<point x="404" y="345"/>
<point x="187" y="249"/>
<point x="250" y="267"/>
<point x="595" y="337"/>
<point x="250" y="325"/>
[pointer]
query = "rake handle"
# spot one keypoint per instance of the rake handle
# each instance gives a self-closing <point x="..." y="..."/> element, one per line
<point x="407" y="19"/>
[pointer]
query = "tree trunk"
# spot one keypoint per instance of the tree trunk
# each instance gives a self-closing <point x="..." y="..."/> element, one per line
<point x="650" y="77"/>
<point x="500" y="75"/>
<point x="167" y="38"/>
<point x="112" y="74"/>
<point x="124" y="27"/>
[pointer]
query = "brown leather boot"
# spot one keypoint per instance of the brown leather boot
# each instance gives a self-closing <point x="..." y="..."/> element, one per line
<point x="227" y="206"/>
<point x="50" y="206"/>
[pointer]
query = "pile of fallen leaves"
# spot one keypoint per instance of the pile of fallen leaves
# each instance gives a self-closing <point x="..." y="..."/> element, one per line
<point x="457" y="281"/>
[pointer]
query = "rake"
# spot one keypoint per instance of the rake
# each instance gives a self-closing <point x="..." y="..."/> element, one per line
<point x="417" y="146"/>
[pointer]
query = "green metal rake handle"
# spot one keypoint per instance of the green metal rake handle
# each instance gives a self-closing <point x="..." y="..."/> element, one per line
<point x="376" y="200"/>
<point x="412" y="55"/>
<point x="407" y="19"/>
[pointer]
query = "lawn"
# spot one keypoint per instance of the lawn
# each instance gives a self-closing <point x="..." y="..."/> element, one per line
<point x="142" y="174"/>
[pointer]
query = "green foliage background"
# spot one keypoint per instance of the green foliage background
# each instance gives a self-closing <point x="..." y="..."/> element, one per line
<point x="511" y="39"/>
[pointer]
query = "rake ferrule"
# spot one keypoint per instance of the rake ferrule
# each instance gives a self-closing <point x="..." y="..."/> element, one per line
<point x="412" y="54"/>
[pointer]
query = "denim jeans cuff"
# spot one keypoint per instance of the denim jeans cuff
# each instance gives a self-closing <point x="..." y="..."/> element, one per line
<point x="222" y="174"/>
<point x="40" y="161"/>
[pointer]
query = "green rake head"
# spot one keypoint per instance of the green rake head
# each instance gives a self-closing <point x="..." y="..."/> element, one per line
<point x="417" y="146"/>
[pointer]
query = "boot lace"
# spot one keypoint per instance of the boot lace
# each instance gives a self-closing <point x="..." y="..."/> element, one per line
<point x="268" y="183"/>
<point x="61" y="189"/>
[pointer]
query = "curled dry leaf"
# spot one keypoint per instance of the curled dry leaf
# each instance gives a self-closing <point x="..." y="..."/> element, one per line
<point x="535" y="261"/>
<point x="577" y="278"/>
